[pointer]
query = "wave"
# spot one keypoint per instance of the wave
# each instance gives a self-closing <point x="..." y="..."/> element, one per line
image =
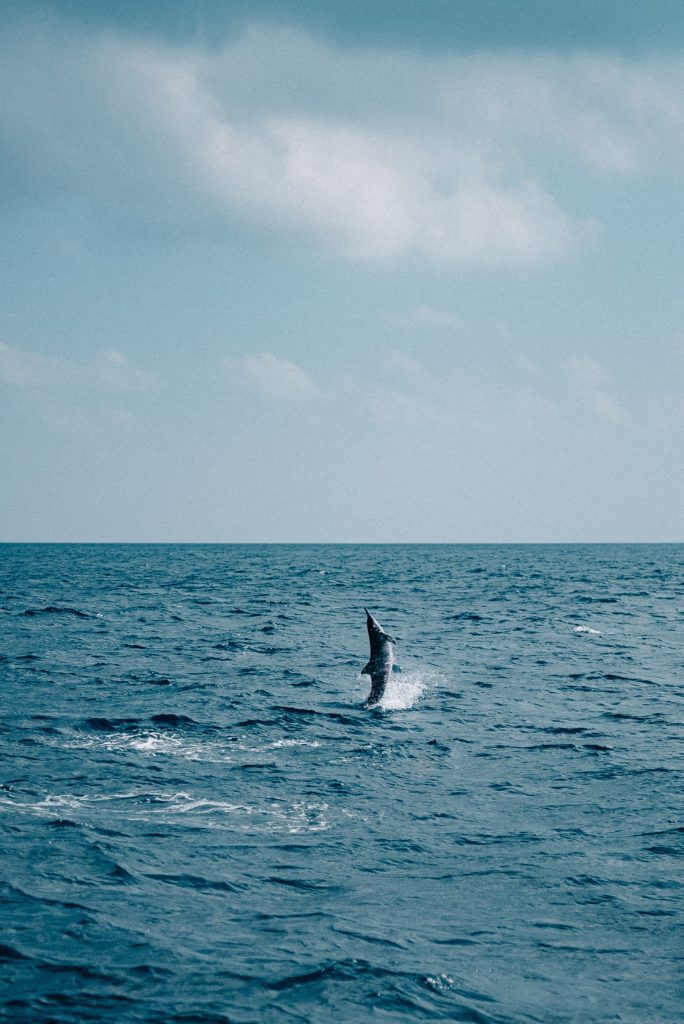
<point x="172" y="744"/>
<point x="196" y="811"/>
<point x="196" y="882"/>
<point x="54" y="609"/>
<point x="395" y="992"/>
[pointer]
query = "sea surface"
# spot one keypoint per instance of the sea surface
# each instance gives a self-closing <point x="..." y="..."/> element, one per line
<point x="202" y="823"/>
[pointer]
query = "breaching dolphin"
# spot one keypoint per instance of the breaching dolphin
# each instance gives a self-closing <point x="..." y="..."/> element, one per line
<point x="379" y="666"/>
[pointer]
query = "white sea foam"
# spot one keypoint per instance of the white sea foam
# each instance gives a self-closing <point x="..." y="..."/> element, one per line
<point x="56" y="802"/>
<point x="174" y="745"/>
<point x="406" y="688"/>
<point x="440" y="983"/>
<point x="588" y="630"/>
<point x="292" y="818"/>
<point x="278" y="744"/>
<point x="150" y="743"/>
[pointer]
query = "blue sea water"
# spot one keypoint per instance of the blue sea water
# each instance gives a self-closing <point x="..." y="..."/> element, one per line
<point x="202" y="823"/>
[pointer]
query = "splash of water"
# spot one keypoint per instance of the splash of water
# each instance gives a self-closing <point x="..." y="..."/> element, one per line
<point x="406" y="688"/>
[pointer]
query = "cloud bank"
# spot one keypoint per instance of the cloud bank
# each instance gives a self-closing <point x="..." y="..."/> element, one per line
<point x="376" y="155"/>
<point x="109" y="370"/>
<point x="272" y="376"/>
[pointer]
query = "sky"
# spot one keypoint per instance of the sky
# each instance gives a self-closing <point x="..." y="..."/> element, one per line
<point x="379" y="271"/>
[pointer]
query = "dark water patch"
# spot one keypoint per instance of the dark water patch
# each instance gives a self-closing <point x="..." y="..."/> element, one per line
<point x="657" y="912"/>
<point x="112" y="724"/>
<point x="269" y="649"/>
<point x="200" y="1017"/>
<point x="84" y="1005"/>
<point x="168" y="718"/>
<point x="22" y="895"/>
<point x="196" y="882"/>
<point x="552" y="746"/>
<point x="438" y="746"/>
<point x="251" y="723"/>
<point x="53" y="609"/>
<point x="82" y="972"/>
<point x="341" y="970"/>
<point x="483" y="839"/>
<point x="9" y="953"/>
<point x="255" y="766"/>
<point x="377" y="940"/>
<point x="655" y="717"/>
<point x="617" y="771"/>
<point x="45" y="727"/>
<point x="616" y="677"/>
<point x="294" y="915"/>
<point x="295" y="714"/>
<point x="570" y="730"/>
<point x="456" y="941"/>
<point x="674" y="831"/>
<point x="154" y="971"/>
<point x="303" y="884"/>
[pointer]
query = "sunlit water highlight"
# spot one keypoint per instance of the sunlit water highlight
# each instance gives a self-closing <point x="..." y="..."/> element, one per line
<point x="201" y="822"/>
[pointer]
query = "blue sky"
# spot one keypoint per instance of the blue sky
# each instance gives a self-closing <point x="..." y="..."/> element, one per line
<point x="341" y="272"/>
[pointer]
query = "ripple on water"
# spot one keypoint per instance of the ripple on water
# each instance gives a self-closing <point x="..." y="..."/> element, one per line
<point x="202" y="822"/>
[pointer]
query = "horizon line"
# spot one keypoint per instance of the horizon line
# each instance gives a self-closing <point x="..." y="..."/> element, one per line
<point x="339" y="543"/>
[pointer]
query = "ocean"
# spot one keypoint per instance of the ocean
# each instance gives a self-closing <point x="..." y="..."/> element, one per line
<point x="202" y="823"/>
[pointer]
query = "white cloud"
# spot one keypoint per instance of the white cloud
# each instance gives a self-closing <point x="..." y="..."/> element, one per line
<point x="428" y="316"/>
<point x="591" y="380"/>
<point x="28" y="369"/>
<point x="108" y="370"/>
<point x="392" y="407"/>
<point x="587" y="371"/>
<point x="605" y="407"/>
<point x="273" y="376"/>
<point x="399" y="360"/>
<point x="382" y="155"/>
<point x="111" y="369"/>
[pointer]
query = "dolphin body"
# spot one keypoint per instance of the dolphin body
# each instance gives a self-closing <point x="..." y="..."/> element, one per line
<point x="379" y="666"/>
